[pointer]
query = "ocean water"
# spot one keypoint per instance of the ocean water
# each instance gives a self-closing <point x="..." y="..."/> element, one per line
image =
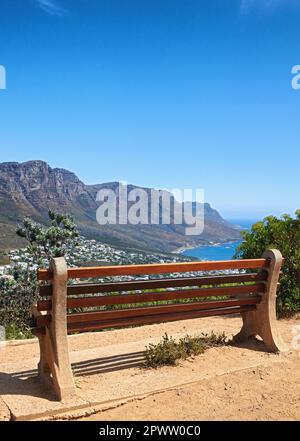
<point x="224" y="251"/>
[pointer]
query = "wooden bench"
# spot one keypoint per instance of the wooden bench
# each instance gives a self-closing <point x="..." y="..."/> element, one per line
<point x="218" y="290"/>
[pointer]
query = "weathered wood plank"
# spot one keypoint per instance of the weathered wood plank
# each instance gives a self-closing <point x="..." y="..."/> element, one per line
<point x="121" y="299"/>
<point x="159" y="318"/>
<point x="154" y="310"/>
<point x="162" y="268"/>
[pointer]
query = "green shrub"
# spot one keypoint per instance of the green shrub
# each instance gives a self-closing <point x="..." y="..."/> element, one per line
<point x="18" y="292"/>
<point x="168" y="351"/>
<point x="283" y="234"/>
<point x="15" y="332"/>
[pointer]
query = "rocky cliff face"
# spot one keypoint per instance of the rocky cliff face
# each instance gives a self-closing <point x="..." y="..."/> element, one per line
<point x="38" y="186"/>
<point x="33" y="187"/>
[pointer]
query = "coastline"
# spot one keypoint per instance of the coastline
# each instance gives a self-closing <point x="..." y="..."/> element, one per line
<point x="182" y="249"/>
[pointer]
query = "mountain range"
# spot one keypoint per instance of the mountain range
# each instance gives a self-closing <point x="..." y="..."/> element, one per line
<point x="32" y="188"/>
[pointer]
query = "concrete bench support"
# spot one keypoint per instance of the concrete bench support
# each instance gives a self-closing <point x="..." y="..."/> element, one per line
<point x="262" y="322"/>
<point x="54" y="367"/>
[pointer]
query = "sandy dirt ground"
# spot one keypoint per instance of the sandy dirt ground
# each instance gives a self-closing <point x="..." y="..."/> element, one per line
<point x="4" y="411"/>
<point x="227" y="383"/>
<point x="266" y="393"/>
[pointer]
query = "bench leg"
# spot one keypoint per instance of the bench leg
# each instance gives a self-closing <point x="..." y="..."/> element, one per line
<point x="54" y="374"/>
<point x="263" y="321"/>
<point x="54" y="366"/>
<point x="44" y="368"/>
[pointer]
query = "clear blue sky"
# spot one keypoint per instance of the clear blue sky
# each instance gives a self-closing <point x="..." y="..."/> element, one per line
<point x="168" y="93"/>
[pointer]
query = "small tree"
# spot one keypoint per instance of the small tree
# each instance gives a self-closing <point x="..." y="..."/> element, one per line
<point x="53" y="241"/>
<point x="19" y="289"/>
<point x="284" y="234"/>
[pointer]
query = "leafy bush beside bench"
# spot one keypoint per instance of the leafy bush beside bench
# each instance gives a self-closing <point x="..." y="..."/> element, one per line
<point x="282" y="234"/>
<point x="168" y="351"/>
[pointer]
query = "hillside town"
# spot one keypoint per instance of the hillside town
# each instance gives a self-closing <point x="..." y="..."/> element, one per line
<point x="92" y="252"/>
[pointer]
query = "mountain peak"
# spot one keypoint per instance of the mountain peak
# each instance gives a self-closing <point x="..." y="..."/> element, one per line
<point x="27" y="164"/>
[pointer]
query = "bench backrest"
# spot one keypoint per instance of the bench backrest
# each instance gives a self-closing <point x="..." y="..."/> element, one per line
<point x="197" y="289"/>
